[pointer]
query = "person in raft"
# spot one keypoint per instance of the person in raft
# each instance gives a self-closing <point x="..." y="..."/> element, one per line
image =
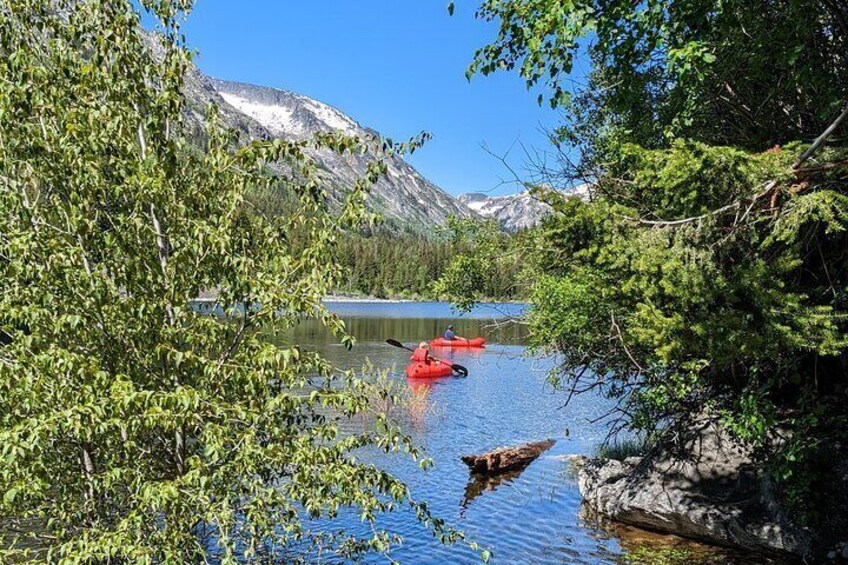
<point x="422" y="354"/>
<point x="450" y="334"/>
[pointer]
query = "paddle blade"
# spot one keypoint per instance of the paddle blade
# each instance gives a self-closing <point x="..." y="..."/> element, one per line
<point x="460" y="370"/>
<point x="396" y="343"/>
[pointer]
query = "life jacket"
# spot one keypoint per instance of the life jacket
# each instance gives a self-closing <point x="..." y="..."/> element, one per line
<point x="420" y="355"/>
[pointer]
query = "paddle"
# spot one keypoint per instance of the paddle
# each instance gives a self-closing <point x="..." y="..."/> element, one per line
<point x="457" y="368"/>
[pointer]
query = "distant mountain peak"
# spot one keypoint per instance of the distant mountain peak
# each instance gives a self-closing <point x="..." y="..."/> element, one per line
<point x="513" y="212"/>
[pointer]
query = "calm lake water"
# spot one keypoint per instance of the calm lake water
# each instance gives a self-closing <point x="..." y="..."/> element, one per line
<point x="533" y="517"/>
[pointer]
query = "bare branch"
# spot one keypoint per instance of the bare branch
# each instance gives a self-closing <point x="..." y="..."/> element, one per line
<point x="821" y="139"/>
<point x="623" y="344"/>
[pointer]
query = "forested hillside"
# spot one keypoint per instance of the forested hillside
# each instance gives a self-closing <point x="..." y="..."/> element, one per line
<point x="386" y="260"/>
<point x="390" y="265"/>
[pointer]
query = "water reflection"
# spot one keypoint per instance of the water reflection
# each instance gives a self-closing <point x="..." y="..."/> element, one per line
<point x="530" y="515"/>
<point x="524" y="517"/>
<point x="642" y="546"/>
<point x="478" y="484"/>
<point x="411" y="331"/>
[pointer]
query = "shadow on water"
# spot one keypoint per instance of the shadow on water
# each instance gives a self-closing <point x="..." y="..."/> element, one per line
<point x="643" y="547"/>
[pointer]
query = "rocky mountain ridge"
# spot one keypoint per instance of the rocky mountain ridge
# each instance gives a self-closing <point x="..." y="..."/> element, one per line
<point x="403" y="197"/>
<point x="513" y="212"/>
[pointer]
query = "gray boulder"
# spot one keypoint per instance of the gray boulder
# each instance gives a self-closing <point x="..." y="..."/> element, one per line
<point x="707" y="488"/>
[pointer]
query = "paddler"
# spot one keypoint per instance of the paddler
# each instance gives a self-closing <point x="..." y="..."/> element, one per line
<point x="450" y="335"/>
<point x="422" y="353"/>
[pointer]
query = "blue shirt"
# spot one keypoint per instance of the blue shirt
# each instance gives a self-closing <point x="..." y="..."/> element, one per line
<point x="449" y="335"/>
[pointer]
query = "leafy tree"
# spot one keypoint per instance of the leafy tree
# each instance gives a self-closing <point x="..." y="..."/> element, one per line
<point x="735" y="72"/>
<point x="486" y="265"/>
<point x="707" y="269"/>
<point x="132" y="427"/>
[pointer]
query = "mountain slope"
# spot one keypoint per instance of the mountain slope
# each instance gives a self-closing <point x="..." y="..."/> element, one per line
<point x="515" y="211"/>
<point x="403" y="197"/>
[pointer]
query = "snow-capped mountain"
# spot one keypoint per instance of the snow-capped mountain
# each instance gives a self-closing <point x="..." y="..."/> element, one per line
<point x="515" y="211"/>
<point x="403" y="197"/>
<point x="283" y="113"/>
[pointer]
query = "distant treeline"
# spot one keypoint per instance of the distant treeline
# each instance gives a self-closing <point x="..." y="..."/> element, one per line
<point x="393" y="260"/>
<point x="406" y="265"/>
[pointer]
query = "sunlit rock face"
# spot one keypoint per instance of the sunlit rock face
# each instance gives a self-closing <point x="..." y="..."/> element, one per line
<point x="403" y="197"/>
<point x="285" y="114"/>
<point x="710" y="486"/>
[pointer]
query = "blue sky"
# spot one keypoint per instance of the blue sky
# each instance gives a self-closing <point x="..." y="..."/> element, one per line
<point x="397" y="66"/>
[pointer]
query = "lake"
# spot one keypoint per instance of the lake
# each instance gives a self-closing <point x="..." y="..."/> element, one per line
<point x="534" y="517"/>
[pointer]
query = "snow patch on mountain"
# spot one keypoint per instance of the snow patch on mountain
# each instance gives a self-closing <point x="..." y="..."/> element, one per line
<point x="514" y="212"/>
<point x="277" y="118"/>
<point x="476" y="205"/>
<point x="330" y="116"/>
<point x="402" y="196"/>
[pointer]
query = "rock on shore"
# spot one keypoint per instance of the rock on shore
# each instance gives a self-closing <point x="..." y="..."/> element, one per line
<point x="708" y="488"/>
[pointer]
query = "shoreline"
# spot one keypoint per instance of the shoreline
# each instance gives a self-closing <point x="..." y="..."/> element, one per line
<point x="208" y="298"/>
<point x="365" y="299"/>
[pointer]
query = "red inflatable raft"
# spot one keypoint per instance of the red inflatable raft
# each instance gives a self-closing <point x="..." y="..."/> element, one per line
<point x="442" y="342"/>
<point x="428" y="370"/>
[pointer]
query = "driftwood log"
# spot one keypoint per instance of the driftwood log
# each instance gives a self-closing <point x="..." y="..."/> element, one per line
<point x="507" y="458"/>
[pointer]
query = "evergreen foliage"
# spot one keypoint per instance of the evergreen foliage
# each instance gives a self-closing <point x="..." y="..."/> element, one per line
<point x="404" y="265"/>
<point x="708" y="270"/>
<point x="391" y="261"/>
<point x="393" y="265"/>
<point x="487" y="265"/>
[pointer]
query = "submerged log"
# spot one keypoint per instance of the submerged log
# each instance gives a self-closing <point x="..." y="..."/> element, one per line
<point x="507" y="458"/>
